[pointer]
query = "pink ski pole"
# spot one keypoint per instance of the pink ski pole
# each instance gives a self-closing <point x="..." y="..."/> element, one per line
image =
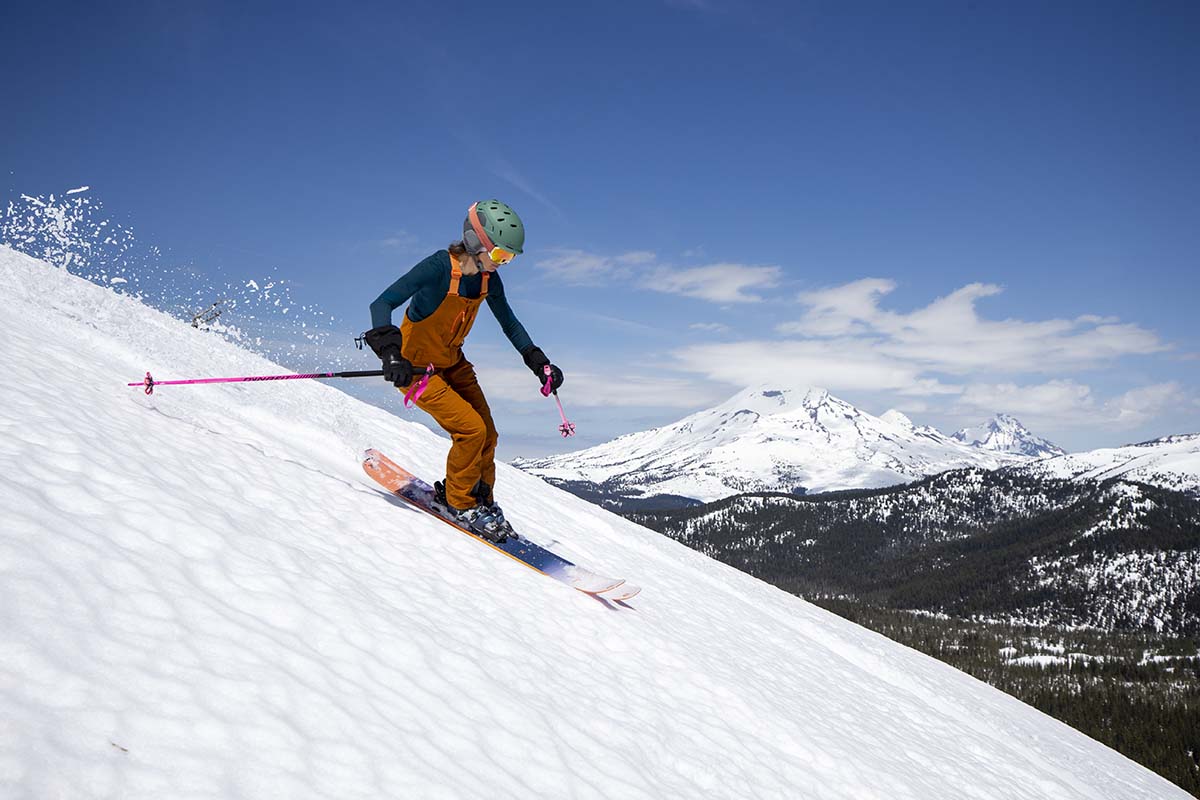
<point x="150" y="383"/>
<point x="567" y="428"/>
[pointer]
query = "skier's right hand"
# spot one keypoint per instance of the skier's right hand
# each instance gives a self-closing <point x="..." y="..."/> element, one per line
<point x="382" y="338"/>
<point x="397" y="370"/>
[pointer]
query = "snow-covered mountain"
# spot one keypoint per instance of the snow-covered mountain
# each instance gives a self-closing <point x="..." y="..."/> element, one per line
<point x="1005" y="434"/>
<point x="1172" y="462"/>
<point x="204" y="597"/>
<point x="768" y="439"/>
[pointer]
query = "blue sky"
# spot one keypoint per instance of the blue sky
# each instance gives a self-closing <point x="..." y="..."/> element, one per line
<point x="948" y="208"/>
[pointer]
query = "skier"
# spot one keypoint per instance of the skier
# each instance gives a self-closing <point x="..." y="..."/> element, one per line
<point x="446" y="290"/>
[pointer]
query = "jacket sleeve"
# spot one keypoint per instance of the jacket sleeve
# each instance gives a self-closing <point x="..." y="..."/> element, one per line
<point x="503" y="312"/>
<point x="425" y="273"/>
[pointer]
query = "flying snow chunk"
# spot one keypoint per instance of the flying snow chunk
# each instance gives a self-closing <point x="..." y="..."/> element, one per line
<point x="80" y="190"/>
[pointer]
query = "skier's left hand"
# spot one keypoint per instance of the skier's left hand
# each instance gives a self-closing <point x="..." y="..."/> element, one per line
<point x="556" y="378"/>
<point x="537" y="362"/>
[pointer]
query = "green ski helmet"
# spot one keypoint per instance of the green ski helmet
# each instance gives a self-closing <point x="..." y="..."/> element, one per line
<point x="491" y="224"/>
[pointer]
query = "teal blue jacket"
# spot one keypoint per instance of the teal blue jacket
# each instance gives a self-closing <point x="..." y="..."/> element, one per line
<point x="426" y="285"/>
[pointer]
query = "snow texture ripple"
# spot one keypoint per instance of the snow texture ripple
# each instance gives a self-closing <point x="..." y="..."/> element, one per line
<point x="204" y="597"/>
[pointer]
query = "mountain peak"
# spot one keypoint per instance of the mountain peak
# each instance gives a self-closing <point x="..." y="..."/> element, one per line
<point x="767" y="438"/>
<point x="1004" y="433"/>
<point x="897" y="418"/>
<point x="767" y="399"/>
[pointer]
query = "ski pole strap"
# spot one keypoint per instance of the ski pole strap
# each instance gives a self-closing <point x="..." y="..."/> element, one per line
<point x="549" y="386"/>
<point x="418" y="387"/>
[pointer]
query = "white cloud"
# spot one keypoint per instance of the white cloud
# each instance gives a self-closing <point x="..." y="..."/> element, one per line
<point x="948" y="354"/>
<point x="948" y="335"/>
<point x="1068" y="403"/>
<point x="710" y="327"/>
<point x="1058" y="399"/>
<point x="840" y="310"/>
<point x="843" y="365"/>
<point x="1145" y="403"/>
<point x="720" y="283"/>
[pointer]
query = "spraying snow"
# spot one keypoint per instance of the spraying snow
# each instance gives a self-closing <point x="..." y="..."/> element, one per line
<point x="75" y="232"/>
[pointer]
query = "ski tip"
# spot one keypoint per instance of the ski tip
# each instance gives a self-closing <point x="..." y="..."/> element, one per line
<point x="625" y="591"/>
<point x="591" y="583"/>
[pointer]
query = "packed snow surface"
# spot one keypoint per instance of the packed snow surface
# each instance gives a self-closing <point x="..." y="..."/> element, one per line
<point x="205" y="597"/>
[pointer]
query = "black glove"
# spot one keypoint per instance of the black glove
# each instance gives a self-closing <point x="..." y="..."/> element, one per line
<point x="383" y="336"/>
<point x="397" y="370"/>
<point x="537" y="362"/>
<point x="387" y="342"/>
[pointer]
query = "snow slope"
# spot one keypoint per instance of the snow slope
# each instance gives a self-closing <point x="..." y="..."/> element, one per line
<point x="769" y="438"/>
<point x="1172" y="462"/>
<point x="204" y="597"/>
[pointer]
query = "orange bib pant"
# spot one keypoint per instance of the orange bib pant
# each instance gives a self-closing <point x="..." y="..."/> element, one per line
<point x="453" y="397"/>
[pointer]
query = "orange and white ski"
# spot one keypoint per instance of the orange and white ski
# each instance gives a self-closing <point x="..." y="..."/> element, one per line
<point x="420" y="495"/>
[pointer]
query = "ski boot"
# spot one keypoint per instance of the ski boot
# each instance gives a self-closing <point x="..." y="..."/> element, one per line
<point x="480" y="520"/>
<point x="482" y="492"/>
<point x="485" y="518"/>
<point x="439" y="496"/>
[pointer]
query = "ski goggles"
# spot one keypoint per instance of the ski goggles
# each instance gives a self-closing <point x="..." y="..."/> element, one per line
<point x="496" y="253"/>
<point x="499" y="255"/>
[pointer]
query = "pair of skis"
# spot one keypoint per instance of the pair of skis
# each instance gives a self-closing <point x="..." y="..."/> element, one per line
<point x="420" y="495"/>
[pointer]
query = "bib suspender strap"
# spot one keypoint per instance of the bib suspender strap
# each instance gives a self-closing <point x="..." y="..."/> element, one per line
<point x="456" y="275"/>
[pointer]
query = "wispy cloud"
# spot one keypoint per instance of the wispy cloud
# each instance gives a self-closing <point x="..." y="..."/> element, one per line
<point x="508" y="172"/>
<point x="606" y="320"/>
<point x="591" y="390"/>
<point x="501" y="168"/>
<point x="717" y="283"/>
<point x="401" y="241"/>
<point x="582" y="268"/>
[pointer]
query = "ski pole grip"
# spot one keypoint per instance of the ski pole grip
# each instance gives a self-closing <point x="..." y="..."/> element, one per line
<point x="549" y="386"/>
